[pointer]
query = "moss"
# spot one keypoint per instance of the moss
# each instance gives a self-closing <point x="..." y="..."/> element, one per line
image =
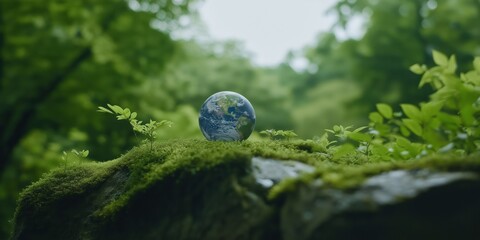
<point x="344" y="176"/>
<point x="181" y="159"/>
<point x="147" y="166"/>
<point x="65" y="182"/>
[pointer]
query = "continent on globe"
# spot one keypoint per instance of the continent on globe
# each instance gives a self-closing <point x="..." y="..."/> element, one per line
<point x="226" y="116"/>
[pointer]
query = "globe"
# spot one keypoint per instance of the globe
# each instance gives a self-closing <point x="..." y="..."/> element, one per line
<point x="226" y="116"/>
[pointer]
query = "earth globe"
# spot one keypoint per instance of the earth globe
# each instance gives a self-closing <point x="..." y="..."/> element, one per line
<point x="226" y="116"/>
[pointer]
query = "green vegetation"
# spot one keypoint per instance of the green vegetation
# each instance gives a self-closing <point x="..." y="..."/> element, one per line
<point x="279" y="134"/>
<point x="59" y="60"/>
<point x="146" y="129"/>
<point x="446" y="123"/>
<point x="78" y="154"/>
<point x="179" y="158"/>
<point x="347" y="174"/>
<point x="83" y="53"/>
<point x="354" y="155"/>
<point x="449" y="140"/>
<point x="183" y="159"/>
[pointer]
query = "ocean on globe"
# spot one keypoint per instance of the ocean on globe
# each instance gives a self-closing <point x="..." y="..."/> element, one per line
<point x="226" y="116"/>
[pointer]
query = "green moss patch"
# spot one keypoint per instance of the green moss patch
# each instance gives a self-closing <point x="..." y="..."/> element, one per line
<point x="342" y="175"/>
<point x="175" y="161"/>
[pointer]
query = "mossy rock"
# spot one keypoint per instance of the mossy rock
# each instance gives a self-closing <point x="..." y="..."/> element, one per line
<point x="194" y="189"/>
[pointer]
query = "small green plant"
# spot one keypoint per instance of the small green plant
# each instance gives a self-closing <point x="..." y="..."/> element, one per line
<point x="447" y="123"/>
<point x="346" y="139"/>
<point x="148" y="130"/>
<point x="279" y="134"/>
<point x="78" y="154"/>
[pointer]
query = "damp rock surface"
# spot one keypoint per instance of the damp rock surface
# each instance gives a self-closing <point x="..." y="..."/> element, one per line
<point x="399" y="204"/>
<point x="207" y="190"/>
<point x="268" y="172"/>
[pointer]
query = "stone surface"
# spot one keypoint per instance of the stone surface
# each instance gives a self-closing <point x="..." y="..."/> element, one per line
<point x="268" y="172"/>
<point x="232" y="204"/>
<point x="399" y="204"/>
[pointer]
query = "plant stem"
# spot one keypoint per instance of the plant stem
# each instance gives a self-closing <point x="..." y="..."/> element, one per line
<point x="367" y="151"/>
<point x="66" y="158"/>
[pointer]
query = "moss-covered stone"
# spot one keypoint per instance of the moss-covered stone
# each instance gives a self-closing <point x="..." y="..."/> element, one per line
<point x="188" y="189"/>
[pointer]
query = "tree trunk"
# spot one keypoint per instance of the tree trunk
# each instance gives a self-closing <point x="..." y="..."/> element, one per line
<point x="15" y="119"/>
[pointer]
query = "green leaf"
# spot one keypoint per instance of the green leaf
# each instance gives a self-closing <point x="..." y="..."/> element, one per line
<point x="85" y="153"/>
<point x="412" y="112"/>
<point x="360" y="137"/>
<point x="426" y="78"/>
<point x="116" y="109"/>
<point x="403" y="142"/>
<point x="378" y="149"/>
<point x="330" y="131"/>
<point x="126" y="112"/>
<point x="343" y="150"/>
<point x="452" y="65"/>
<point x="418" y="69"/>
<point x="413" y="126"/>
<point x="440" y="58"/>
<point x="382" y="129"/>
<point x="434" y="123"/>
<point x="434" y="137"/>
<point x="467" y="115"/>
<point x="385" y="110"/>
<point x="360" y="129"/>
<point x="446" y="148"/>
<point x="166" y="123"/>
<point x="272" y="133"/>
<point x="450" y="119"/>
<point x="133" y="115"/>
<point x="266" y="132"/>
<point x="323" y="142"/>
<point x="404" y="131"/>
<point x="431" y="109"/>
<point x="375" y="117"/>
<point x="412" y="148"/>
<point x="336" y="128"/>
<point x="289" y="134"/>
<point x="104" y="110"/>
<point x="476" y="64"/>
<point x="472" y="77"/>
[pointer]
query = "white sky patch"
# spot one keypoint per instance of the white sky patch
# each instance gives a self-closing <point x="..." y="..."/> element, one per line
<point x="271" y="28"/>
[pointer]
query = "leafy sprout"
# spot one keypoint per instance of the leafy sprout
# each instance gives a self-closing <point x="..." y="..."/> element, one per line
<point x="279" y="134"/>
<point x="148" y="130"/>
<point x="78" y="154"/>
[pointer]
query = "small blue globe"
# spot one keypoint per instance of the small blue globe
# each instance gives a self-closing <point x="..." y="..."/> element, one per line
<point x="226" y="116"/>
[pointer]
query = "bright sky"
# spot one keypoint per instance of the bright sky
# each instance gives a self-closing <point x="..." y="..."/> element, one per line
<point x="268" y="28"/>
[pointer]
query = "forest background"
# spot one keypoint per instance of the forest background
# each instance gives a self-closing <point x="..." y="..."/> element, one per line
<point x="61" y="59"/>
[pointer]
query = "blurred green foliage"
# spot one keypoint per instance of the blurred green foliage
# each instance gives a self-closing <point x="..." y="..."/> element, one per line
<point x="397" y="34"/>
<point x="61" y="59"/>
<point x="447" y="123"/>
